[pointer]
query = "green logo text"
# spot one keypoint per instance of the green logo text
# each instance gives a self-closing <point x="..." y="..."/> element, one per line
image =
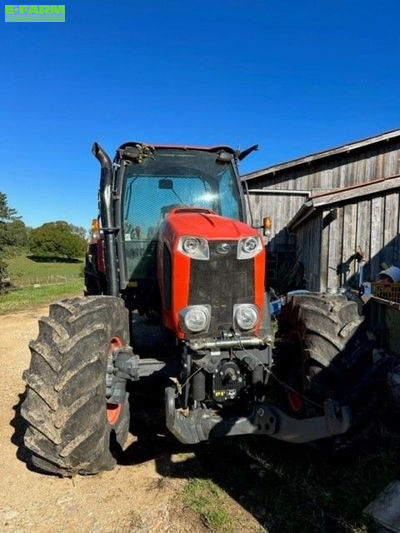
<point x="35" y="13"/>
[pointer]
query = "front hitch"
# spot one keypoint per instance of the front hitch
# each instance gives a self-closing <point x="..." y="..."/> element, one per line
<point x="124" y="366"/>
<point x="201" y="424"/>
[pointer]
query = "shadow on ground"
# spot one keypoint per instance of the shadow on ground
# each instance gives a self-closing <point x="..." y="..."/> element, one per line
<point x="19" y="425"/>
<point x="287" y="488"/>
<point x="53" y="259"/>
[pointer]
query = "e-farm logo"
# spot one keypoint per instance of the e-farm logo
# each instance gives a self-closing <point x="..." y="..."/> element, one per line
<point x="36" y="13"/>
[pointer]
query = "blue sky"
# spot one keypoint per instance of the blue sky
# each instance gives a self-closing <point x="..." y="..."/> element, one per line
<point x="295" y="77"/>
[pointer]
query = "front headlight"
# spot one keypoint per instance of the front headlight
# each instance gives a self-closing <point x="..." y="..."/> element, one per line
<point x="248" y="247"/>
<point x="194" y="247"/>
<point x="245" y="316"/>
<point x="195" y="318"/>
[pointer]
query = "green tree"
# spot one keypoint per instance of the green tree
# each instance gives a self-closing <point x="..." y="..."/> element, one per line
<point x="17" y="234"/>
<point x="78" y="230"/>
<point x="7" y="215"/>
<point x="56" y="239"/>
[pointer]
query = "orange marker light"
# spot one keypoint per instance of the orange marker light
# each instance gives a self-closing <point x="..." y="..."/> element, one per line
<point x="267" y="225"/>
<point x="94" y="231"/>
<point x="95" y="224"/>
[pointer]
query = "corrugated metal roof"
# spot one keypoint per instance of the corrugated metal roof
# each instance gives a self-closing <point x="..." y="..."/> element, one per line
<point x="325" y="154"/>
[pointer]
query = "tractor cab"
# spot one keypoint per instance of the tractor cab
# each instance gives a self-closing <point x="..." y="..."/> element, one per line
<point x="157" y="180"/>
<point x="149" y="182"/>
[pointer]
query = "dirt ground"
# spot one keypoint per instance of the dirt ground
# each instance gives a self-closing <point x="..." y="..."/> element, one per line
<point x="140" y="496"/>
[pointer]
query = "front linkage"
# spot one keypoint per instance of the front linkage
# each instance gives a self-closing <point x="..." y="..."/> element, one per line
<point x="266" y="419"/>
<point x="200" y="424"/>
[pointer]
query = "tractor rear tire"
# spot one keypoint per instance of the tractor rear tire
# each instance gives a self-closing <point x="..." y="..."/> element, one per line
<point x="317" y="337"/>
<point x="68" y="424"/>
<point x="95" y="283"/>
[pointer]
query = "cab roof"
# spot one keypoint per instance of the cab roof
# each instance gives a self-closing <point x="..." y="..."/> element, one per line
<point x="217" y="148"/>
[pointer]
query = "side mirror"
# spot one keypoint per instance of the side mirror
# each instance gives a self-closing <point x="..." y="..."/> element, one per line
<point x="244" y="153"/>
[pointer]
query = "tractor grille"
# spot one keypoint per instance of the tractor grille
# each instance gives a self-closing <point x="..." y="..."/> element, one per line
<point x="221" y="282"/>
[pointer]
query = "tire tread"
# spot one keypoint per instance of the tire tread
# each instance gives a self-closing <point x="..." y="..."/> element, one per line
<point x="65" y="408"/>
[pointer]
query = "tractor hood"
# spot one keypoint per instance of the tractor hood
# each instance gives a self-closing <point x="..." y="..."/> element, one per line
<point x="199" y="222"/>
<point x="213" y="273"/>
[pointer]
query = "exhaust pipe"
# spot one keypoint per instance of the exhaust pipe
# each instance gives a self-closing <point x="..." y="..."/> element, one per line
<point x="107" y="219"/>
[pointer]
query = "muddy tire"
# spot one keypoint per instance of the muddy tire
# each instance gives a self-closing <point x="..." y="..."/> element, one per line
<point x="69" y="427"/>
<point x="319" y="348"/>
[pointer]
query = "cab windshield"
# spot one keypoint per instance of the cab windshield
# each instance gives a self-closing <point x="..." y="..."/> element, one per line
<point x="171" y="178"/>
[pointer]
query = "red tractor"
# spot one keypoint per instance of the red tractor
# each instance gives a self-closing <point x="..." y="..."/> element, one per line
<point x="171" y="249"/>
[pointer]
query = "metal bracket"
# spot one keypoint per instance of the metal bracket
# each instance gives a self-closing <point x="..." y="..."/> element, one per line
<point x="201" y="424"/>
<point x="126" y="363"/>
<point x="123" y="366"/>
<point x="149" y="366"/>
<point x="110" y="230"/>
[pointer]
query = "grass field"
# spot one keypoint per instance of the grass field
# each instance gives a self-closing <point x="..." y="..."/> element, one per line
<point x="39" y="282"/>
<point x="16" y="300"/>
<point x="25" y="271"/>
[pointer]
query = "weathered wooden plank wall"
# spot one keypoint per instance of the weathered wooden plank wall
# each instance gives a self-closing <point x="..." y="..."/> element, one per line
<point x="343" y="170"/>
<point x="371" y="225"/>
<point x="280" y="208"/>
<point x="350" y="237"/>
<point x="310" y="253"/>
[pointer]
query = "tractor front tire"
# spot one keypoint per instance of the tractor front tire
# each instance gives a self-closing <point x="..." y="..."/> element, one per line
<point x="69" y="425"/>
<point x="318" y="336"/>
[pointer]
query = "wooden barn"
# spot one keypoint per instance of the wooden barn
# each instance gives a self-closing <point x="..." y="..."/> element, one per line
<point x="338" y="231"/>
<point x="280" y="192"/>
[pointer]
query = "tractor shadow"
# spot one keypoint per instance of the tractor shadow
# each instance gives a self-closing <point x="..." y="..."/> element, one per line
<point x="285" y="487"/>
<point x="53" y="259"/>
<point x="19" y="424"/>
